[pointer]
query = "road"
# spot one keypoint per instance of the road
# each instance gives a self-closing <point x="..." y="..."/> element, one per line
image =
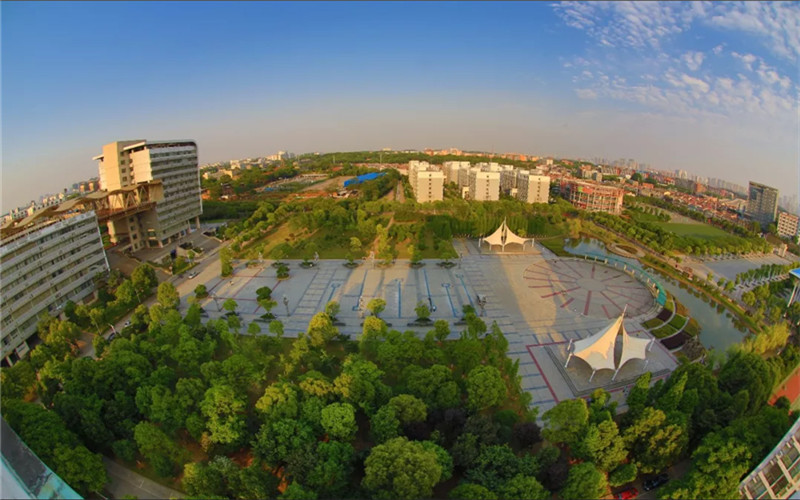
<point x="124" y="481"/>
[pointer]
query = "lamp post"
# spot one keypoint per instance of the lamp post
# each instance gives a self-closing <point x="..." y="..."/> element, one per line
<point x="286" y="304"/>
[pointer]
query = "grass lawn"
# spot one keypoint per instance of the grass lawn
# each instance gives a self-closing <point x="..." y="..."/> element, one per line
<point x="555" y="245"/>
<point x="664" y="331"/>
<point x="696" y="230"/>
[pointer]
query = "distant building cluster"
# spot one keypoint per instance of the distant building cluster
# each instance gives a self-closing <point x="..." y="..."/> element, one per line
<point x="479" y="182"/>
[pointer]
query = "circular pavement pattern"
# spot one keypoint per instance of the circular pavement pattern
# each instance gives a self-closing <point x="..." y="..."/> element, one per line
<point x="588" y="288"/>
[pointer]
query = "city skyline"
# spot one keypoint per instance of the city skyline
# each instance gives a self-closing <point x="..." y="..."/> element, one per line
<point x="707" y="88"/>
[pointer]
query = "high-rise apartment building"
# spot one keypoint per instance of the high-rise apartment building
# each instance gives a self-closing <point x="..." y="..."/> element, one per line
<point x="762" y="203"/>
<point x="532" y="188"/>
<point x="42" y="267"/>
<point x="508" y="178"/>
<point x="787" y="224"/>
<point x="484" y="186"/>
<point x="426" y="181"/>
<point x="126" y="163"/>
<point x="452" y="169"/>
<point x="593" y="197"/>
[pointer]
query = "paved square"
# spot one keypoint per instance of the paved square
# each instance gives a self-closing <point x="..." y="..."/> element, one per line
<point x="539" y="302"/>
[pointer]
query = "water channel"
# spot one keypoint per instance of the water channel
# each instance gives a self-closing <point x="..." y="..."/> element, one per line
<point x="718" y="329"/>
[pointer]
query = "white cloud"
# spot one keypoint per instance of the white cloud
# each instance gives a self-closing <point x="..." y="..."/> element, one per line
<point x="586" y="93"/>
<point x="777" y="23"/>
<point x="747" y="59"/>
<point x="695" y="83"/>
<point x="717" y="50"/>
<point x="693" y="59"/>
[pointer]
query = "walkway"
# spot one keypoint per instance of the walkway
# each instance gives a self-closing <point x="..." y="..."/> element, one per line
<point x="124" y="481"/>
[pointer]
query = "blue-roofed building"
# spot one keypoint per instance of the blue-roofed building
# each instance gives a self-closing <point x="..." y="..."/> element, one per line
<point x="363" y="178"/>
<point x="23" y="475"/>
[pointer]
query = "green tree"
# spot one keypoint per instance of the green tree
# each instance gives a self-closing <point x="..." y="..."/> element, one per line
<point x="376" y="306"/>
<point x="654" y="443"/>
<point x="566" y="422"/>
<point x="200" y="291"/>
<point x="230" y="305"/>
<point x="749" y="374"/>
<point x="472" y="492"/>
<point x="157" y="448"/>
<point x="253" y="328"/>
<point x="355" y="245"/>
<point x="200" y="480"/>
<point x="422" y="310"/>
<point x="623" y="474"/>
<point x="584" y="481"/>
<point x="80" y="468"/>
<point x="485" y="387"/>
<point x="276" y="441"/>
<point x="408" y="408"/>
<point x="521" y="487"/>
<point x="332" y="469"/>
<point x="296" y="492"/>
<point x="602" y="445"/>
<point x="718" y="465"/>
<point x="339" y="421"/>
<point x="401" y="469"/>
<point x="144" y="280"/>
<point x="126" y="294"/>
<point x="332" y="309"/>
<point x="384" y="425"/>
<point x="321" y="329"/>
<point x="226" y="262"/>
<point x="224" y="411"/>
<point x="494" y="466"/>
<point x="167" y="295"/>
<point x="279" y="401"/>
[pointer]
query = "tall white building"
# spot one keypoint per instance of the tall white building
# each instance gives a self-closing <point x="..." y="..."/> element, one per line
<point x="126" y="163"/>
<point x="508" y="178"/>
<point x="42" y="266"/>
<point x="452" y="170"/>
<point x="532" y="188"/>
<point x="426" y="181"/>
<point x="484" y="186"/>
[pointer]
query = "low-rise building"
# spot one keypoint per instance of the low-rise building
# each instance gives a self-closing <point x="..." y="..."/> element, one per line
<point x="592" y="197"/>
<point x="43" y="265"/>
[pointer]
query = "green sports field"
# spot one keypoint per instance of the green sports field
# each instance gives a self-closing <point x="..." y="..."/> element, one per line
<point x="696" y="230"/>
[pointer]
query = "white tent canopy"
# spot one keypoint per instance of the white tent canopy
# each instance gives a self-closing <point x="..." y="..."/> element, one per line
<point x="503" y="236"/>
<point x="632" y="348"/>
<point x="598" y="350"/>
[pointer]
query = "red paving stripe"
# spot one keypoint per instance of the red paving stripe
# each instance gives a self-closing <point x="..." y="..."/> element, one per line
<point x="622" y="294"/>
<point x="559" y="293"/>
<point x="612" y="278"/>
<point x="588" y="303"/>
<point x="606" y="311"/>
<point x="548" y="286"/>
<point x="549" y="387"/>
<point x="592" y="271"/>
<point x="610" y="300"/>
<point x="550" y="270"/>
<point x="565" y="304"/>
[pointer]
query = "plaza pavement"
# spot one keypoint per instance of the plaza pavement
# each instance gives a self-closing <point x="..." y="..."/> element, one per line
<point x="539" y="302"/>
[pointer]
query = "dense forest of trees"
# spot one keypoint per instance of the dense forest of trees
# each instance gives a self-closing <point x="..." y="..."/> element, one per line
<point x="389" y="414"/>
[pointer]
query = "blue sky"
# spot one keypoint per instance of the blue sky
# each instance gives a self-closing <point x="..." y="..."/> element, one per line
<point x="709" y="88"/>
